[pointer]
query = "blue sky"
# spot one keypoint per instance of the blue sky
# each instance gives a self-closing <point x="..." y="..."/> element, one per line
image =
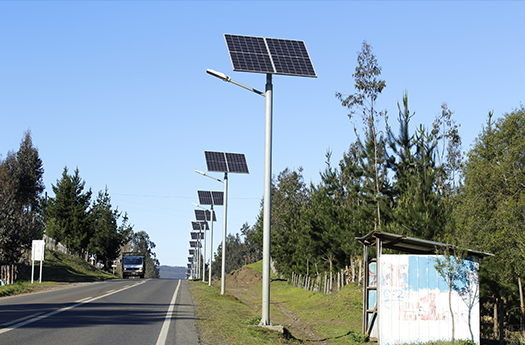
<point x="119" y="90"/>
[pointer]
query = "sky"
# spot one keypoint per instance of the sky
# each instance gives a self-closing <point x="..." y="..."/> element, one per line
<point x="119" y="89"/>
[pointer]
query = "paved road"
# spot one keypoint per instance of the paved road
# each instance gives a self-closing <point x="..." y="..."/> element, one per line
<point x="152" y="311"/>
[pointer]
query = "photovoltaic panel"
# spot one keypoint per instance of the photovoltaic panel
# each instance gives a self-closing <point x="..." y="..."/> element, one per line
<point x="269" y="55"/>
<point x="194" y="244"/>
<point x="205" y="215"/>
<point x="236" y="163"/>
<point x="191" y="251"/>
<point x="226" y="162"/>
<point x="211" y="198"/>
<point x="216" y="161"/>
<point x="249" y="54"/>
<point x="197" y="235"/>
<point x="190" y="259"/>
<point x="199" y="225"/>
<point x="205" y="197"/>
<point x="218" y="198"/>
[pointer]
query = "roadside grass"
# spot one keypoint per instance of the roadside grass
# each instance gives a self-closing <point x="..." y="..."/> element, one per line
<point x="224" y="319"/>
<point x="58" y="268"/>
<point x="335" y="318"/>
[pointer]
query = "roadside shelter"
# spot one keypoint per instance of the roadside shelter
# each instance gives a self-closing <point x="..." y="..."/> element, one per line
<point x="406" y="300"/>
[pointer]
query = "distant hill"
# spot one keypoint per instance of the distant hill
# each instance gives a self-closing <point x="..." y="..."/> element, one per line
<point x="172" y="272"/>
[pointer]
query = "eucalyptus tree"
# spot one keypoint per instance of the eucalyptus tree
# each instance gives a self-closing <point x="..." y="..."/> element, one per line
<point x="369" y="86"/>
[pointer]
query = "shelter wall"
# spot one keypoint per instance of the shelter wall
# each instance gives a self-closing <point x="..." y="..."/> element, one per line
<point x="414" y="301"/>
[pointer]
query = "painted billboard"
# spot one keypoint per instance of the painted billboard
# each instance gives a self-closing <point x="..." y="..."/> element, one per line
<point x="414" y="300"/>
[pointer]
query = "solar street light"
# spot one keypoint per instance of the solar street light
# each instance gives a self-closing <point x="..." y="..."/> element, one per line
<point x="207" y="215"/>
<point x="227" y="163"/>
<point x="269" y="56"/>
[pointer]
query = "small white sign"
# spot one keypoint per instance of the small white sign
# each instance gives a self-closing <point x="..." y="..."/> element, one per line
<point x="39" y="248"/>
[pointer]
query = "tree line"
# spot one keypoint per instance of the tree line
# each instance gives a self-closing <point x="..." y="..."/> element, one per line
<point x="85" y="226"/>
<point x="415" y="182"/>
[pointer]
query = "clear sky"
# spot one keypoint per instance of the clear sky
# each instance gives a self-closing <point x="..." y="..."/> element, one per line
<point x="119" y="90"/>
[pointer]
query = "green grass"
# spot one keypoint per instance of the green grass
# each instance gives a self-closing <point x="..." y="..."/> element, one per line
<point x="58" y="267"/>
<point x="230" y="319"/>
<point x="227" y="320"/>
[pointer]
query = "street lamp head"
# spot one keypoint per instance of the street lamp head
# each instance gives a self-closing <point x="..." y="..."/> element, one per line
<point x="218" y="74"/>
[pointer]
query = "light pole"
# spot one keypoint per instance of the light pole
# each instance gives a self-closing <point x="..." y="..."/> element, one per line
<point x="268" y="56"/>
<point x="224" y="227"/>
<point x="265" y="319"/>
<point x="211" y="235"/>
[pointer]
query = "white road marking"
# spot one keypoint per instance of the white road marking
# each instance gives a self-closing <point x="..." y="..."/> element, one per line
<point x="166" y="325"/>
<point x="34" y="317"/>
<point x="20" y="319"/>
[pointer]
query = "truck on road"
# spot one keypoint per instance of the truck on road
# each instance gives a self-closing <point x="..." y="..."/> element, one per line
<point x="133" y="266"/>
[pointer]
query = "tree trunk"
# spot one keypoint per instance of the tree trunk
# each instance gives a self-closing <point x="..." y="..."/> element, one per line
<point x="451" y="312"/>
<point x="522" y="308"/>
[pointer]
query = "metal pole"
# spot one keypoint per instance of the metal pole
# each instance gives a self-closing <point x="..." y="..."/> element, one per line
<point x="211" y="243"/>
<point x="224" y="230"/>
<point x="265" y="319"/>
<point x="204" y="255"/>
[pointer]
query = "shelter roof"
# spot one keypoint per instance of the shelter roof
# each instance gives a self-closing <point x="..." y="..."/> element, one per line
<point x="409" y="244"/>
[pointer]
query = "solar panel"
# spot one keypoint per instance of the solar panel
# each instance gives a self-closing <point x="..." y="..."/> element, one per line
<point x="191" y="251"/>
<point x="197" y="235"/>
<point x="216" y="161"/>
<point x="194" y="244"/>
<point x="199" y="225"/>
<point x="236" y="163"/>
<point x="269" y="55"/>
<point x="190" y="259"/>
<point x="211" y="198"/>
<point x="205" y="197"/>
<point x="205" y="215"/>
<point x="226" y="162"/>
<point x="218" y="198"/>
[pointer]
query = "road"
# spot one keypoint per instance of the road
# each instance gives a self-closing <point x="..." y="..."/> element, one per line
<point x="135" y="311"/>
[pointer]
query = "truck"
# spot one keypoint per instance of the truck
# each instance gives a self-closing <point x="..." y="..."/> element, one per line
<point x="133" y="266"/>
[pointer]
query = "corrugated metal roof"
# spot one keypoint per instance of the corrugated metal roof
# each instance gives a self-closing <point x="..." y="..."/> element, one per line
<point x="409" y="244"/>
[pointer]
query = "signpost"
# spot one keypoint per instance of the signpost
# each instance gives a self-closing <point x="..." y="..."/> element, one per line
<point x="38" y="250"/>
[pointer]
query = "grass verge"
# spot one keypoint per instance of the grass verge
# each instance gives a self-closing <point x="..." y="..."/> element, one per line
<point x="224" y="319"/>
<point x="58" y="268"/>
<point x="335" y="319"/>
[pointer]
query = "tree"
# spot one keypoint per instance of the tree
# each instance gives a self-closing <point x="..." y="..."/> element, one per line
<point x="108" y="236"/>
<point x="492" y="204"/>
<point x="373" y="154"/>
<point x="21" y="187"/>
<point x="69" y="214"/>
<point x="450" y="265"/>
<point x="141" y="244"/>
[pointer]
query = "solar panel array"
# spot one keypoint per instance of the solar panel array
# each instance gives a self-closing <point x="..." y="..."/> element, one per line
<point x="210" y="197"/>
<point x="205" y="215"/>
<point x="269" y="55"/>
<point x="197" y="235"/>
<point x="199" y="225"/>
<point x="226" y="162"/>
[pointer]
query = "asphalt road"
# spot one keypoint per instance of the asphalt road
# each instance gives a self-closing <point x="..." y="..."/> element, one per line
<point x="151" y="311"/>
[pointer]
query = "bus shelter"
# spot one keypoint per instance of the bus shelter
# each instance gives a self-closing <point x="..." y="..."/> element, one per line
<point x="406" y="300"/>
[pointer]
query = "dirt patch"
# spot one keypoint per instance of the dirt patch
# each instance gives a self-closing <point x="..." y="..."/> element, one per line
<point x="243" y="278"/>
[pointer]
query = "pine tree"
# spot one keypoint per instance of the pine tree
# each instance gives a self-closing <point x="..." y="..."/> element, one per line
<point x="69" y="214"/>
<point x="21" y="187"/>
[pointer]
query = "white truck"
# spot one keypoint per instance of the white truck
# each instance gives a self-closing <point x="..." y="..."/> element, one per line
<point x="133" y="266"/>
